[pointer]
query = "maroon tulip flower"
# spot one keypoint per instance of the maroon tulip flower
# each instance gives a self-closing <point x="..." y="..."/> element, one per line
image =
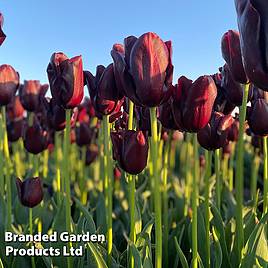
<point x="2" y="35"/>
<point x="130" y="150"/>
<point x="31" y="93"/>
<point x="144" y="69"/>
<point x="14" y="129"/>
<point x="215" y="134"/>
<point x="143" y="119"/>
<point x="30" y="191"/>
<point x="253" y="28"/>
<point x="258" y="117"/>
<point x="86" y="111"/>
<point x="193" y="103"/>
<point x="66" y="80"/>
<point x="15" y="110"/>
<point x="231" y="52"/>
<point x="102" y="89"/>
<point x="166" y="116"/>
<point x="9" y="83"/>
<point x="233" y="131"/>
<point x="83" y="134"/>
<point x="35" y="138"/>
<point x="91" y="154"/>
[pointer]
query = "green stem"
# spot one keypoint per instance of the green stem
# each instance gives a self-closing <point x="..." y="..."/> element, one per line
<point x="218" y="179"/>
<point x="255" y="163"/>
<point x="165" y="201"/>
<point x="195" y="204"/>
<point x="8" y="169"/>
<point x="157" y="190"/>
<point x="265" y="176"/>
<point x="2" y="176"/>
<point x="231" y="167"/>
<point x="108" y="187"/>
<point x="57" y="162"/>
<point x="240" y="174"/>
<point x="31" y="232"/>
<point x="208" y="155"/>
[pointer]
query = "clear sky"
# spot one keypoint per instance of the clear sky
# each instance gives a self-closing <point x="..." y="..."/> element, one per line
<point x="37" y="28"/>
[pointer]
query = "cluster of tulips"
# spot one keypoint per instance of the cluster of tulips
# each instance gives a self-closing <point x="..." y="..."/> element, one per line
<point x="162" y="169"/>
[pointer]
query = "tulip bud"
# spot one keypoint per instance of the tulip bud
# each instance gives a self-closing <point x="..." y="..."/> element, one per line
<point x="166" y="116"/>
<point x="14" y="129"/>
<point x="214" y="135"/>
<point x="91" y="154"/>
<point x="252" y="17"/>
<point x="143" y="118"/>
<point x="83" y="134"/>
<point x="30" y="191"/>
<point x="15" y="110"/>
<point x="233" y="131"/>
<point x="66" y="80"/>
<point x="31" y="93"/>
<point x="231" y="52"/>
<point x="127" y="145"/>
<point x="9" y="83"/>
<point x="2" y="35"/>
<point x="35" y="138"/>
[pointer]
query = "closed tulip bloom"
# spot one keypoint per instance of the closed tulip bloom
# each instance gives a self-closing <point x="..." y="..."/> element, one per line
<point x="83" y="134"/>
<point x="130" y="150"/>
<point x="86" y="111"/>
<point x="215" y="134"/>
<point x="145" y="69"/>
<point x="31" y="93"/>
<point x="66" y="79"/>
<point x="15" y="110"/>
<point x="166" y="116"/>
<point x="102" y="89"/>
<point x="233" y="131"/>
<point x="143" y="118"/>
<point x="14" y="129"/>
<point x="253" y="27"/>
<point x="2" y="35"/>
<point x="9" y="83"/>
<point x="35" y="138"/>
<point x="30" y="191"/>
<point x="258" y="117"/>
<point x="91" y="154"/>
<point x="231" y="52"/>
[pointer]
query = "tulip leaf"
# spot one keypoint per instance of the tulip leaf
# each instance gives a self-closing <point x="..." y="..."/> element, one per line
<point x="98" y="259"/>
<point x="136" y="255"/>
<point x="182" y="257"/>
<point x="217" y="251"/>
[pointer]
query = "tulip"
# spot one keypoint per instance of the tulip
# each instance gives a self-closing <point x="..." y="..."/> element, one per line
<point x="35" y="138"/>
<point x="2" y="35"/>
<point x="193" y="103"/>
<point x="91" y="154"/>
<point x="215" y="134"/>
<point x="9" y="83"/>
<point x="66" y="79"/>
<point x="253" y="27"/>
<point x="143" y="118"/>
<point x="166" y="116"/>
<point x="103" y="90"/>
<point x="31" y="93"/>
<point x="117" y="174"/>
<point x="15" y="110"/>
<point x="233" y="131"/>
<point x="86" y="111"/>
<point x="30" y="191"/>
<point x="144" y="69"/>
<point x="258" y="117"/>
<point x="122" y="122"/>
<point x="14" y="129"/>
<point x="83" y="134"/>
<point x="127" y="145"/>
<point x="231" y="52"/>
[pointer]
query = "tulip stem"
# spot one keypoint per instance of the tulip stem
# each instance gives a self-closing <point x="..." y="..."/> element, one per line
<point x="132" y="188"/>
<point x="165" y="200"/>
<point x="157" y="190"/>
<point x="57" y="161"/>
<point x="255" y="163"/>
<point x="2" y="176"/>
<point x="208" y="156"/>
<point x="231" y="167"/>
<point x="218" y="178"/>
<point x="265" y="176"/>
<point x="67" y="176"/>
<point x="195" y="203"/>
<point x="8" y="169"/>
<point x="240" y="173"/>
<point x="108" y="187"/>
<point x="31" y="232"/>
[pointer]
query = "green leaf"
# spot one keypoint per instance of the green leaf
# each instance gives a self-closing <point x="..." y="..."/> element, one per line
<point x="217" y="251"/>
<point x="100" y="263"/>
<point x="136" y="255"/>
<point x="182" y="257"/>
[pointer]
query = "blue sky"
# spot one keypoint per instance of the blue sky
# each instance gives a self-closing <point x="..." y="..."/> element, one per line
<point x="37" y="28"/>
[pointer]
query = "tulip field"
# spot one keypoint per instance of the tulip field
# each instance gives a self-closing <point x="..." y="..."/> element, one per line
<point x="133" y="167"/>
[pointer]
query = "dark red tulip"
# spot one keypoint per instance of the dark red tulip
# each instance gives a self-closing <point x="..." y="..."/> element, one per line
<point x="231" y="52"/>
<point x="102" y="89"/>
<point x="253" y="28"/>
<point x="215" y="134"/>
<point x="83" y="134"/>
<point x="86" y="111"/>
<point x="91" y="153"/>
<point x="166" y="116"/>
<point x="145" y="69"/>
<point x="258" y="117"/>
<point x="130" y="150"/>
<point x="143" y="118"/>
<point x="227" y="149"/>
<point x="257" y="142"/>
<point x="177" y="135"/>
<point x="66" y="79"/>
<point x="30" y="191"/>
<point x="117" y="174"/>
<point x="122" y="122"/>
<point x="35" y="138"/>
<point x="56" y="115"/>
<point x="15" y="110"/>
<point x="193" y="103"/>
<point x="31" y="93"/>
<point x="233" y="131"/>
<point x="9" y="83"/>
<point x="14" y="129"/>
<point x="2" y="35"/>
